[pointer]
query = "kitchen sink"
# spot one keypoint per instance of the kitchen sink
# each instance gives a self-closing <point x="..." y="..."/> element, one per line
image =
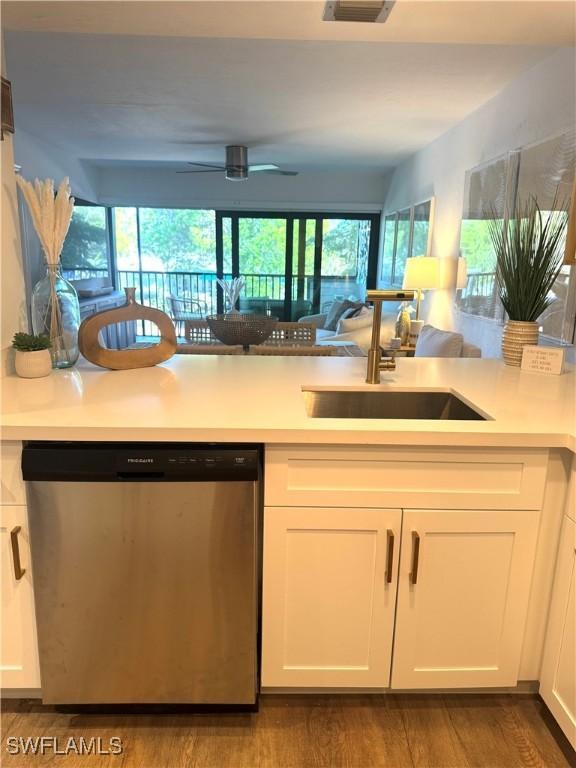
<point x="421" y="404"/>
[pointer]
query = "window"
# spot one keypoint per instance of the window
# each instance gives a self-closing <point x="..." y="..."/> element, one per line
<point x="544" y="171"/>
<point x="86" y="249"/>
<point x="166" y="252"/>
<point x="406" y="233"/>
<point x="295" y="264"/>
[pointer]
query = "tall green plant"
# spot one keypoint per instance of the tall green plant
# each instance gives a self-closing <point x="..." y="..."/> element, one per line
<point x="529" y="254"/>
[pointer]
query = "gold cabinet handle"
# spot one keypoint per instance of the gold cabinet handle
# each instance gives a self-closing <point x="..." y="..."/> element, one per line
<point x="415" y="557"/>
<point x="18" y="570"/>
<point x="389" y="555"/>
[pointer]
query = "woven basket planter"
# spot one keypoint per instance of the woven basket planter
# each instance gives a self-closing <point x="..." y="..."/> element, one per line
<point x="517" y="334"/>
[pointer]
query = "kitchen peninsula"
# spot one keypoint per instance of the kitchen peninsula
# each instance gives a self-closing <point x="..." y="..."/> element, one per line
<point x="259" y="399"/>
<point x="429" y="542"/>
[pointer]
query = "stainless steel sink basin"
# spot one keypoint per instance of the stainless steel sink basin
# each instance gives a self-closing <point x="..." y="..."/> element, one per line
<point x="354" y="404"/>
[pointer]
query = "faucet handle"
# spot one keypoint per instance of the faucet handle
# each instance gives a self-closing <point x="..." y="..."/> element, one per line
<point x="389" y="295"/>
<point x="387" y="364"/>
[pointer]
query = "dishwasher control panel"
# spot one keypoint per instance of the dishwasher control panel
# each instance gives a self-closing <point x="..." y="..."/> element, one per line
<point x="140" y="462"/>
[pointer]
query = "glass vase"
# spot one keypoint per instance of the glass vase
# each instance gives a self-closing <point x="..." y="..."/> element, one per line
<point x="56" y="313"/>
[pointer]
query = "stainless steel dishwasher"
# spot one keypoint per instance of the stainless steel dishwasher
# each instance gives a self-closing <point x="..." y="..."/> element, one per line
<point x="145" y="563"/>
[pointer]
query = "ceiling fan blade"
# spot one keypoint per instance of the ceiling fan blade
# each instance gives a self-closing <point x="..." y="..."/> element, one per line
<point x="209" y="165"/>
<point x="205" y="170"/>
<point x="278" y="172"/>
<point x="263" y="167"/>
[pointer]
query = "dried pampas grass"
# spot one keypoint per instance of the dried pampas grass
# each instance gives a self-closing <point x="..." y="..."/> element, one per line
<point x="51" y="214"/>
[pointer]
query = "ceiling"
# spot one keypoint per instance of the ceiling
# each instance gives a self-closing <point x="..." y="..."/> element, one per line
<point x="494" y="22"/>
<point x="160" y="83"/>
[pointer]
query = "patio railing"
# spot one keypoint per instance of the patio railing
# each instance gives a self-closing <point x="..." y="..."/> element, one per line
<point x="479" y="297"/>
<point x="153" y="288"/>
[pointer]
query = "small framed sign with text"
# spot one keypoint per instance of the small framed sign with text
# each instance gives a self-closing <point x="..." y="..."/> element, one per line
<point x="543" y="359"/>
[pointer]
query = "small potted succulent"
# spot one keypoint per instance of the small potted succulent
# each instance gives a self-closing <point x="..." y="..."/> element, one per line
<point x="32" y="357"/>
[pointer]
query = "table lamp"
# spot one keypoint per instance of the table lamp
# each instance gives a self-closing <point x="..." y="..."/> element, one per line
<point x="421" y="274"/>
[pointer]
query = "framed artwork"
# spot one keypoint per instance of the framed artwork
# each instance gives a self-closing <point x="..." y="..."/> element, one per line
<point x="546" y="171"/>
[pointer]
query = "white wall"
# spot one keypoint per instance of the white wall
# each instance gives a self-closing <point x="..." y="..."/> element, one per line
<point x="537" y="105"/>
<point x="337" y="190"/>
<point x="13" y="313"/>
<point x="46" y="160"/>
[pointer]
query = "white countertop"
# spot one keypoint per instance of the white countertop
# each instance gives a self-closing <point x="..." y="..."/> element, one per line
<point x="258" y="399"/>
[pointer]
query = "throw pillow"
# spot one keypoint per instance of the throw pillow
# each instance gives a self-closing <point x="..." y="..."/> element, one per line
<point x="362" y="336"/>
<point x="432" y="342"/>
<point x="336" y="310"/>
<point x="359" y="319"/>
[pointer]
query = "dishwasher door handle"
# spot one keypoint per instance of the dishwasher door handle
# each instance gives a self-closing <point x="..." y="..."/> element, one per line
<point x="18" y="570"/>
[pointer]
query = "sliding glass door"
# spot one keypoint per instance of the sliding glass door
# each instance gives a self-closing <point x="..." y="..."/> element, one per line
<point x="293" y="263"/>
<point x="296" y="264"/>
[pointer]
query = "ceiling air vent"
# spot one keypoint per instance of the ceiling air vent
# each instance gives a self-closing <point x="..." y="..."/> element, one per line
<point x="368" y="11"/>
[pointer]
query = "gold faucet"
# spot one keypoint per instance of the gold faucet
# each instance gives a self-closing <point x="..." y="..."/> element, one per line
<point x="376" y="362"/>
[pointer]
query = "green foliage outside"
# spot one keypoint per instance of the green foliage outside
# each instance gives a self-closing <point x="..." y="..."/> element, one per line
<point x="476" y="245"/>
<point x="85" y="244"/>
<point x="340" y="247"/>
<point x="420" y="238"/>
<point x="182" y="240"/>
<point x="262" y="244"/>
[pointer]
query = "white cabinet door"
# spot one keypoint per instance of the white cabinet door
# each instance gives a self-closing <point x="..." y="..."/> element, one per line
<point x="463" y="588"/>
<point x="558" y="678"/>
<point x="329" y="592"/>
<point x="12" y="489"/>
<point x="19" y="651"/>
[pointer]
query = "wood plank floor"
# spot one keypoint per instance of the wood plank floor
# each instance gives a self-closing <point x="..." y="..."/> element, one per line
<point x="344" y="731"/>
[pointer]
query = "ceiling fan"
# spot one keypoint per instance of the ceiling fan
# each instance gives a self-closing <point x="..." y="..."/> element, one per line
<point x="236" y="167"/>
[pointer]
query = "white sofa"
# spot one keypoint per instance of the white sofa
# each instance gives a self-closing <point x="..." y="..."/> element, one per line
<point x="358" y="330"/>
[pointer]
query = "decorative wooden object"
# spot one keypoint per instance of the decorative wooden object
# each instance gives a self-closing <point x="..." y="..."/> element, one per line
<point x="122" y="359"/>
<point x="570" y="250"/>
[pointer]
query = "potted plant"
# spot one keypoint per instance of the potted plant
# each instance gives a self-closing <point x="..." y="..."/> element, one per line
<point x="528" y="261"/>
<point x="33" y="358"/>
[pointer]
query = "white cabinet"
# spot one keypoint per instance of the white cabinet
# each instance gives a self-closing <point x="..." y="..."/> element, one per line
<point x="558" y="677"/>
<point x="464" y="583"/>
<point x="329" y="617"/>
<point x="12" y="489"/>
<point x="374" y="476"/>
<point x="19" y="651"/>
<point x="329" y="594"/>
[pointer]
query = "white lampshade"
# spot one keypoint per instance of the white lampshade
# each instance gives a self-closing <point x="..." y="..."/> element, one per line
<point x="422" y="272"/>
<point x="461" y="274"/>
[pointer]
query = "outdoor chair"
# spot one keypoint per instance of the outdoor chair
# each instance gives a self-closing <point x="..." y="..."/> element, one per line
<point x="182" y="309"/>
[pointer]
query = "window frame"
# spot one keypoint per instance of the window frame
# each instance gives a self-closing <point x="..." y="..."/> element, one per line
<point x="396" y="214"/>
<point x="110" y="245"/>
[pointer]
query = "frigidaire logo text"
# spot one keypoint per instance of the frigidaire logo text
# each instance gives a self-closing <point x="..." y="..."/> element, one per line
<point x="140" y="461"/>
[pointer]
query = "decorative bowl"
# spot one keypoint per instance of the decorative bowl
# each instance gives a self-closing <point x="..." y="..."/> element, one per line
<point x="241" y="329"/>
